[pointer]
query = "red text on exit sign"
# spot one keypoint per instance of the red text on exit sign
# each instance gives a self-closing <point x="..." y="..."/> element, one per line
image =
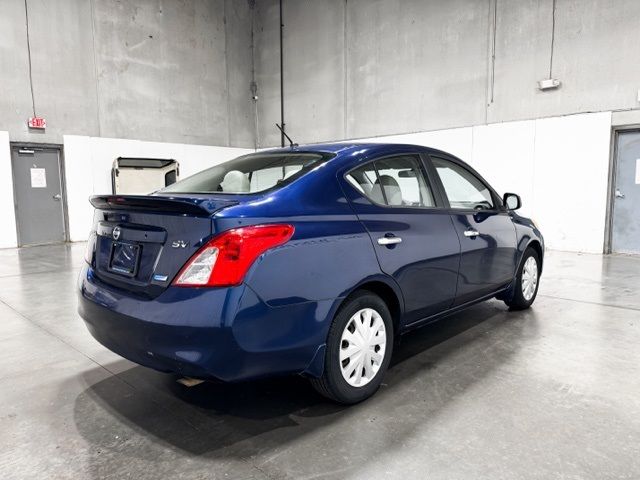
<point x="37" y="122"/>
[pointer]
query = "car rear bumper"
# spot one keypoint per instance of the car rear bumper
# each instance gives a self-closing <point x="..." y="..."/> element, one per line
<point x="225" y="333"/>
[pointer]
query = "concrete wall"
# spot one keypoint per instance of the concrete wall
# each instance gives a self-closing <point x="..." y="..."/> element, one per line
<point x="170" y="71"/>
<point x="359" y="68"/>
<point x="177" y="74"/>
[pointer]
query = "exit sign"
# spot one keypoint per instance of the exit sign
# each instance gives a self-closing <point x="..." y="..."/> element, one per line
<point x="37" y="122"/>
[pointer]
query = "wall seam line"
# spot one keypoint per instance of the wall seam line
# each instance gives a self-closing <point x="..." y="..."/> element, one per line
<point x="553" y="37"/>
<point x="26" y="18"/>
<point x="95" y="66"/>
<point x="345" y="50"/>
<point x="226" y="70"/>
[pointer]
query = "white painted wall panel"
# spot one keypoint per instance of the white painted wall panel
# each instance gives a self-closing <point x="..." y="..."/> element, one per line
<point x="79" y="185"/>
<point x="503" y="153"/>
<point x="89" y="161"/>
<point x="570" y="180"/>
<point x="559" y="166"/>
<point x="8" y="233"/>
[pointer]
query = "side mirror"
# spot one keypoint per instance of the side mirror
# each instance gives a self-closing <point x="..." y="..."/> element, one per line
<point x="511" y="201"/>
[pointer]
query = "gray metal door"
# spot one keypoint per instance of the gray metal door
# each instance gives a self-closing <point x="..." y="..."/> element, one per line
<point x="625" y="232"/>
<point x="38" y="195"/>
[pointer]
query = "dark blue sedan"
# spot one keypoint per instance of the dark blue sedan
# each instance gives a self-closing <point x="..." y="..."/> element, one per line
<point x="305" y="260"/>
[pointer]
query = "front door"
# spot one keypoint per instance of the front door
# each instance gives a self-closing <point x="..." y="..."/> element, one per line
<point x="413" y="237"/>
<point x="625" y="232"/>
<point x="486" y="232"/>
<point x="38" y="195"/>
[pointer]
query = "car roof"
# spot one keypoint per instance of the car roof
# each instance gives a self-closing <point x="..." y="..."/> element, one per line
<point x="339" y="147"/>
<point x="346" y="151"/>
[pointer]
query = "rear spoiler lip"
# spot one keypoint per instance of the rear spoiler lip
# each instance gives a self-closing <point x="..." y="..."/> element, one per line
<point x="189" y="206"/>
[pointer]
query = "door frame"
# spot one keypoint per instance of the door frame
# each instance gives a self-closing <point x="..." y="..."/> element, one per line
<point x="613" y="170"/>
<point x="63" y="184"/>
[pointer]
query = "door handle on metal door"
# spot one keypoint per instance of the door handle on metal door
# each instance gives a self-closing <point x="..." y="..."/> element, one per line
<point x="389" y="240"/>
<point x="471" y="233"/>
<point x="619" y="194"/>
<point x="57" y="196"/>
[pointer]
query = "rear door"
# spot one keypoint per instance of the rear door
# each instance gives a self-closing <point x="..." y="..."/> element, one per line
<point x="412" y="234"/>
<point x="485" y="230"/>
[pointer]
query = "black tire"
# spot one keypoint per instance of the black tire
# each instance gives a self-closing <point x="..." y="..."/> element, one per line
<point x="518" y="300"/>
<point x="332" y="384"/>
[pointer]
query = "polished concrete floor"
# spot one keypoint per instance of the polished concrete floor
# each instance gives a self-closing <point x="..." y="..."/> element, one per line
<point x="553" y="392"/>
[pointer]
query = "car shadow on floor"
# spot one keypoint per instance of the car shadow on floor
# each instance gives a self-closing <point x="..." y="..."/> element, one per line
<point x="233" y="420"/>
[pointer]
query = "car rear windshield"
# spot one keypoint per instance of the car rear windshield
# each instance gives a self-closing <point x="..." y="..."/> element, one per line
<point x="252" y="173"/>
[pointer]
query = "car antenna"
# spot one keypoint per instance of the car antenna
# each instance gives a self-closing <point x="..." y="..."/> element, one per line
<point x="291" y="144"/>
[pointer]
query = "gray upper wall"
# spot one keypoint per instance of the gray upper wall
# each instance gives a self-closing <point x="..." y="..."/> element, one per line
<point x="359" y="68"/>
<point x="162" y="70"/>
<point x="180" y="70"/>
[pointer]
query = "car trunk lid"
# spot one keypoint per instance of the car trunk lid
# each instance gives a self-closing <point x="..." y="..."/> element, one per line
<point x="141" y="242"/>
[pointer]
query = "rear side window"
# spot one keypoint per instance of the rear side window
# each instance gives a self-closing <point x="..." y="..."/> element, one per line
<point x="395" y="181"/>
<point x="464" y="190"/>
<point x="249" y="174"/>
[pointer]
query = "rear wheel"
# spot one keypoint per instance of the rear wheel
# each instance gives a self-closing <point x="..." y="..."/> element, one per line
<point x="527" y="281"/>
<point x="359" y="347"/>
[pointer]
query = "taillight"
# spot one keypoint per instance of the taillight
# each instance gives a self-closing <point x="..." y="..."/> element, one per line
<point x="225" y="259"/>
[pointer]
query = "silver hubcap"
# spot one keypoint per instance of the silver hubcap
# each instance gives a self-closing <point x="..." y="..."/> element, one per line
<point x="529" y="278"/>
<point x="362" y="347"/>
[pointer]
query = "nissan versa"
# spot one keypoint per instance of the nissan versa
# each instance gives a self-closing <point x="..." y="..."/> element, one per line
<point x="305" y="260"/>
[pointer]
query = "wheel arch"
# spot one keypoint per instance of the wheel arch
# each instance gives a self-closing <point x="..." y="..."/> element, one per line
<point x="378" y="285"/>
<point x="535" y="244"/>
<point x="391" y="295"/>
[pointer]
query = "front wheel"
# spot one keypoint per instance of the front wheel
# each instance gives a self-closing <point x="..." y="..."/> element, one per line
<point x="526" y="282"/>
<point x="359" y="347"/>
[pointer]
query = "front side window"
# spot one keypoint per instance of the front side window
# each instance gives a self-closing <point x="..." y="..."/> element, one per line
<point x="464" y="190"/>
<point x="396" y="181"/>
<point x="249" y="174"/>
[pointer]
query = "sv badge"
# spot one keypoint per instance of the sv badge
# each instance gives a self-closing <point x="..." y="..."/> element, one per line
<point x="179" y="244"/>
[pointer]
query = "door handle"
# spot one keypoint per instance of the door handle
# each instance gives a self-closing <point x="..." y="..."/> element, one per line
<point x="619" y="194"/>
<point x="471" y="233"/>
<point x="389" y="240"/>
<point x="57" y="196"/>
